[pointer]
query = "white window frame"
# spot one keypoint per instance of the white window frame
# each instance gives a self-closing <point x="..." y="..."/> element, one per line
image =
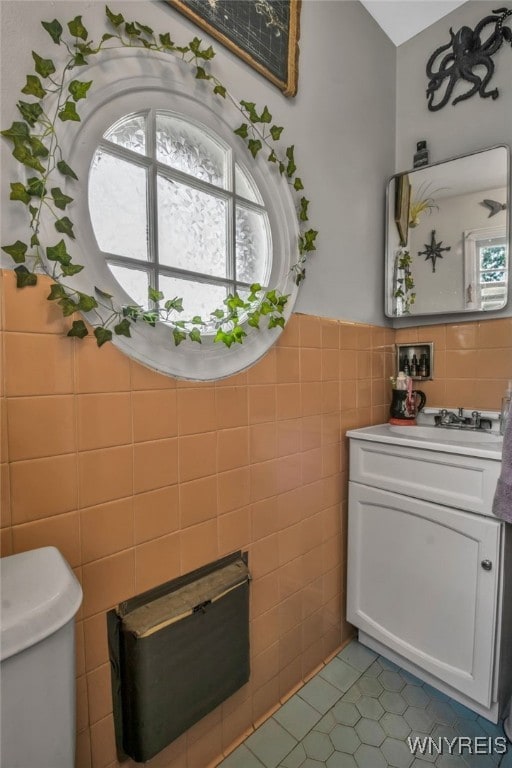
<point x="472" y="285"/>
<point x="129" y="81"/>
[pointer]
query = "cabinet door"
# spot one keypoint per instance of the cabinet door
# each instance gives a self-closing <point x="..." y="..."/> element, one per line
<point x="417" y="584"/>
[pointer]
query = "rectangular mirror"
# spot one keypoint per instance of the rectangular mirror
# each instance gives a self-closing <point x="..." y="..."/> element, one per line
<point x="448" y="236"/>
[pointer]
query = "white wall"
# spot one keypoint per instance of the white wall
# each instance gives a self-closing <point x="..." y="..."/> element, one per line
<point x="342" y="123"/>
<point x="470" y="125"/>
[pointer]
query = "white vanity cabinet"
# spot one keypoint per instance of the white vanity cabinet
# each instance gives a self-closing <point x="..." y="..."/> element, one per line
<point x="428" y="581"/>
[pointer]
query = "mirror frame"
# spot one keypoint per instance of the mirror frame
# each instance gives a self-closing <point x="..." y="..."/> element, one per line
<point x="398" y="208"/>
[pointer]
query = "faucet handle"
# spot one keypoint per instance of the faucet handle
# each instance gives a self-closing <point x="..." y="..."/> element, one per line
<point x="475" y="418"/>
<point x="461" y="412"/>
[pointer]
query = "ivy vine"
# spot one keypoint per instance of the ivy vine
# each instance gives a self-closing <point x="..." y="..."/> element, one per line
<point x="404" y="280"/>
<point x="36" y="147"/>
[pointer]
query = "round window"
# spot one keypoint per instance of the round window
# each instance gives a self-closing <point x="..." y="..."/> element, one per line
<point x="176" y="205"/>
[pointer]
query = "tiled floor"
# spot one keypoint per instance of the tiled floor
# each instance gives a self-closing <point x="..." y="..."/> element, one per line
<point x="359" y="712"/>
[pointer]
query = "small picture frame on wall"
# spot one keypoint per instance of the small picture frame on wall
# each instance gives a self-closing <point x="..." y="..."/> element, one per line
<point x="264" y="33"/>
<point x="402" y="203"/>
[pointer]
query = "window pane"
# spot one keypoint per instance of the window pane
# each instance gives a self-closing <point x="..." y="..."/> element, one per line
<point x="245" y="187"/>
<point x="492" y="257"/>
<point x="189" y="149"/>
<point x="117" y="203"/>
<point x="198" y="298"/>
<point x="130" y="132"/>
<point x="192" y="228"/>
<point x="493" y="276"/>
<point x="252" y="246"/>
<point x="134" y="281"/>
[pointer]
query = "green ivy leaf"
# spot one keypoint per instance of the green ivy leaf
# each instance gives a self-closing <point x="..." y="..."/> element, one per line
<point x="115" y="19"/>
<point x="123" y="328"/>
<point x="166" y="42"/>
<point x="58" y="253"/>
<point x="16" y="251"/>
<point x="34" y="87"/>
<point x="57" y="292"/>
<point x="79" y="60"/>
<point x="34" y="240"/>
<point x="196" y="320"/>
<point x="144" y="28"/>
<point x="175" y="304"/>
<point x="309" y="240"/>
<point x="195" y="335"/>
<point x="24" y="277"/>
<point x="276" y="132"/>
<point x="18" y="192"/>
<point x="78" y="89"/>
<point x="60" y="199"/>
<point x="254" y="146"/>
<point x="297" y="184"/>
<point x="154" y="295"/>
<point x="291" y="167"/>
<point x="220" y="90"/>
<point x="106" y="37"/>
<point x="68" y="307"/>
<point x="17" y="132"/>
<point x="131" y="29"/>
<point x="54" y="29"/>
<point x="202" y="74"/>
<point x="30" y="111"/>
<point x="226" y="338"/>
<point x="150" y="318"/>
<point x="38" y="148"/>
<point x="132" y="311"/>
<point x="265" y="116"/>
<point x="86" y="303"/>
<point x="25" y="156"/>
<point x="102" y="335"/>
<point x="303" y="211"/>
<point x="78" y="329"/>
<point x="35" y="187"/>
<point x="255" y="288"/>
<point x="178" y="336"/>
<point x="272" y="158"/>
<point x="218" y="313"/>
<point x="77" y="29"/>
<point x="65" y="226"/>
<point x="242" y="131"/>
<point x="253" y="319"/>
<point x="71" y="269"/>
<point x="68" y="112"/>
<point x="274" y="322"/>
<point x="250" y="108"/>
<point x="43" y="67"/>
<point x="66" y="170"/>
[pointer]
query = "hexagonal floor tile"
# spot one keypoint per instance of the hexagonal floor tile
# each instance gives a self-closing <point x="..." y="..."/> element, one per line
<point x="318" y="745"/>
<point x="369" y="707"/>
<point x="345" y="713"/>
<point x="395" y="725"/>
<point x="353" y="693"/>
<point x="370" y="732"/>
<point x="370" y="756"/>
<point x="411" y="741"/>
<point x="357" y="655"/>
<point x="397" y="753"/>
<point x="327" y="723"/>
<point x="341" y="760"/>
<point x="450" y="761"/>
<point x="391" y="681"/>
<point x="369" y="686"/>
<point x="374" y="669"/>
<point x="419" y="719"/>
<point x="295" y="758"/>
<point x="415" y="696"/>
<point x="442" y="712"/>
<point x="344" y="739"/>
<point x="393" y="702"/>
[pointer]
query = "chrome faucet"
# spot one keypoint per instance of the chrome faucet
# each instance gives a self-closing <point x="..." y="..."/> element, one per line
<point x="457" y="420"/>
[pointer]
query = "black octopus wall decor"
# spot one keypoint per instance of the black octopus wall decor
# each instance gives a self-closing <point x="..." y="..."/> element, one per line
<point x="433" y="250"/>
<point x="467" y="57"/>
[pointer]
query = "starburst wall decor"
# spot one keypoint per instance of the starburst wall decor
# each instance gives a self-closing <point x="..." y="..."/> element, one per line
<point x="433" y="250"/>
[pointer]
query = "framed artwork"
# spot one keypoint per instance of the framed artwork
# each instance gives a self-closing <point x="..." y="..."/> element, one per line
<point x="402" y="203"/>
<point x="264" y="33"/>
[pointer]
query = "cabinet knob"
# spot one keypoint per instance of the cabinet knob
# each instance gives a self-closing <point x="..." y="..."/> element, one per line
<point x="486" y="565"/>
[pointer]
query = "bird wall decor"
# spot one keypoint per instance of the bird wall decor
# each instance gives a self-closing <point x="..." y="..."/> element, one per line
<point x="494" y="207"/>
<point x="433" y="250"/>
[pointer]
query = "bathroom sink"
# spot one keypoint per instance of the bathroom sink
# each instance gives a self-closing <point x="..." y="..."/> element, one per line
<point x="444" y="434"/>
<point x="461" y="441"/>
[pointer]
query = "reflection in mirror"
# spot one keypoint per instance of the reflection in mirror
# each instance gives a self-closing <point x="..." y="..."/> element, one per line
<point x="448" y="235"/>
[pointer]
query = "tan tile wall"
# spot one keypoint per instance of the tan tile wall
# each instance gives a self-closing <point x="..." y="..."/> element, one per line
<point x="472" y="362"/>
<point x="137" y="478"/>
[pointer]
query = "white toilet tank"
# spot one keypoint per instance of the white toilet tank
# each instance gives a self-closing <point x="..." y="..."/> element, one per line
<point x="40" y="596"/>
